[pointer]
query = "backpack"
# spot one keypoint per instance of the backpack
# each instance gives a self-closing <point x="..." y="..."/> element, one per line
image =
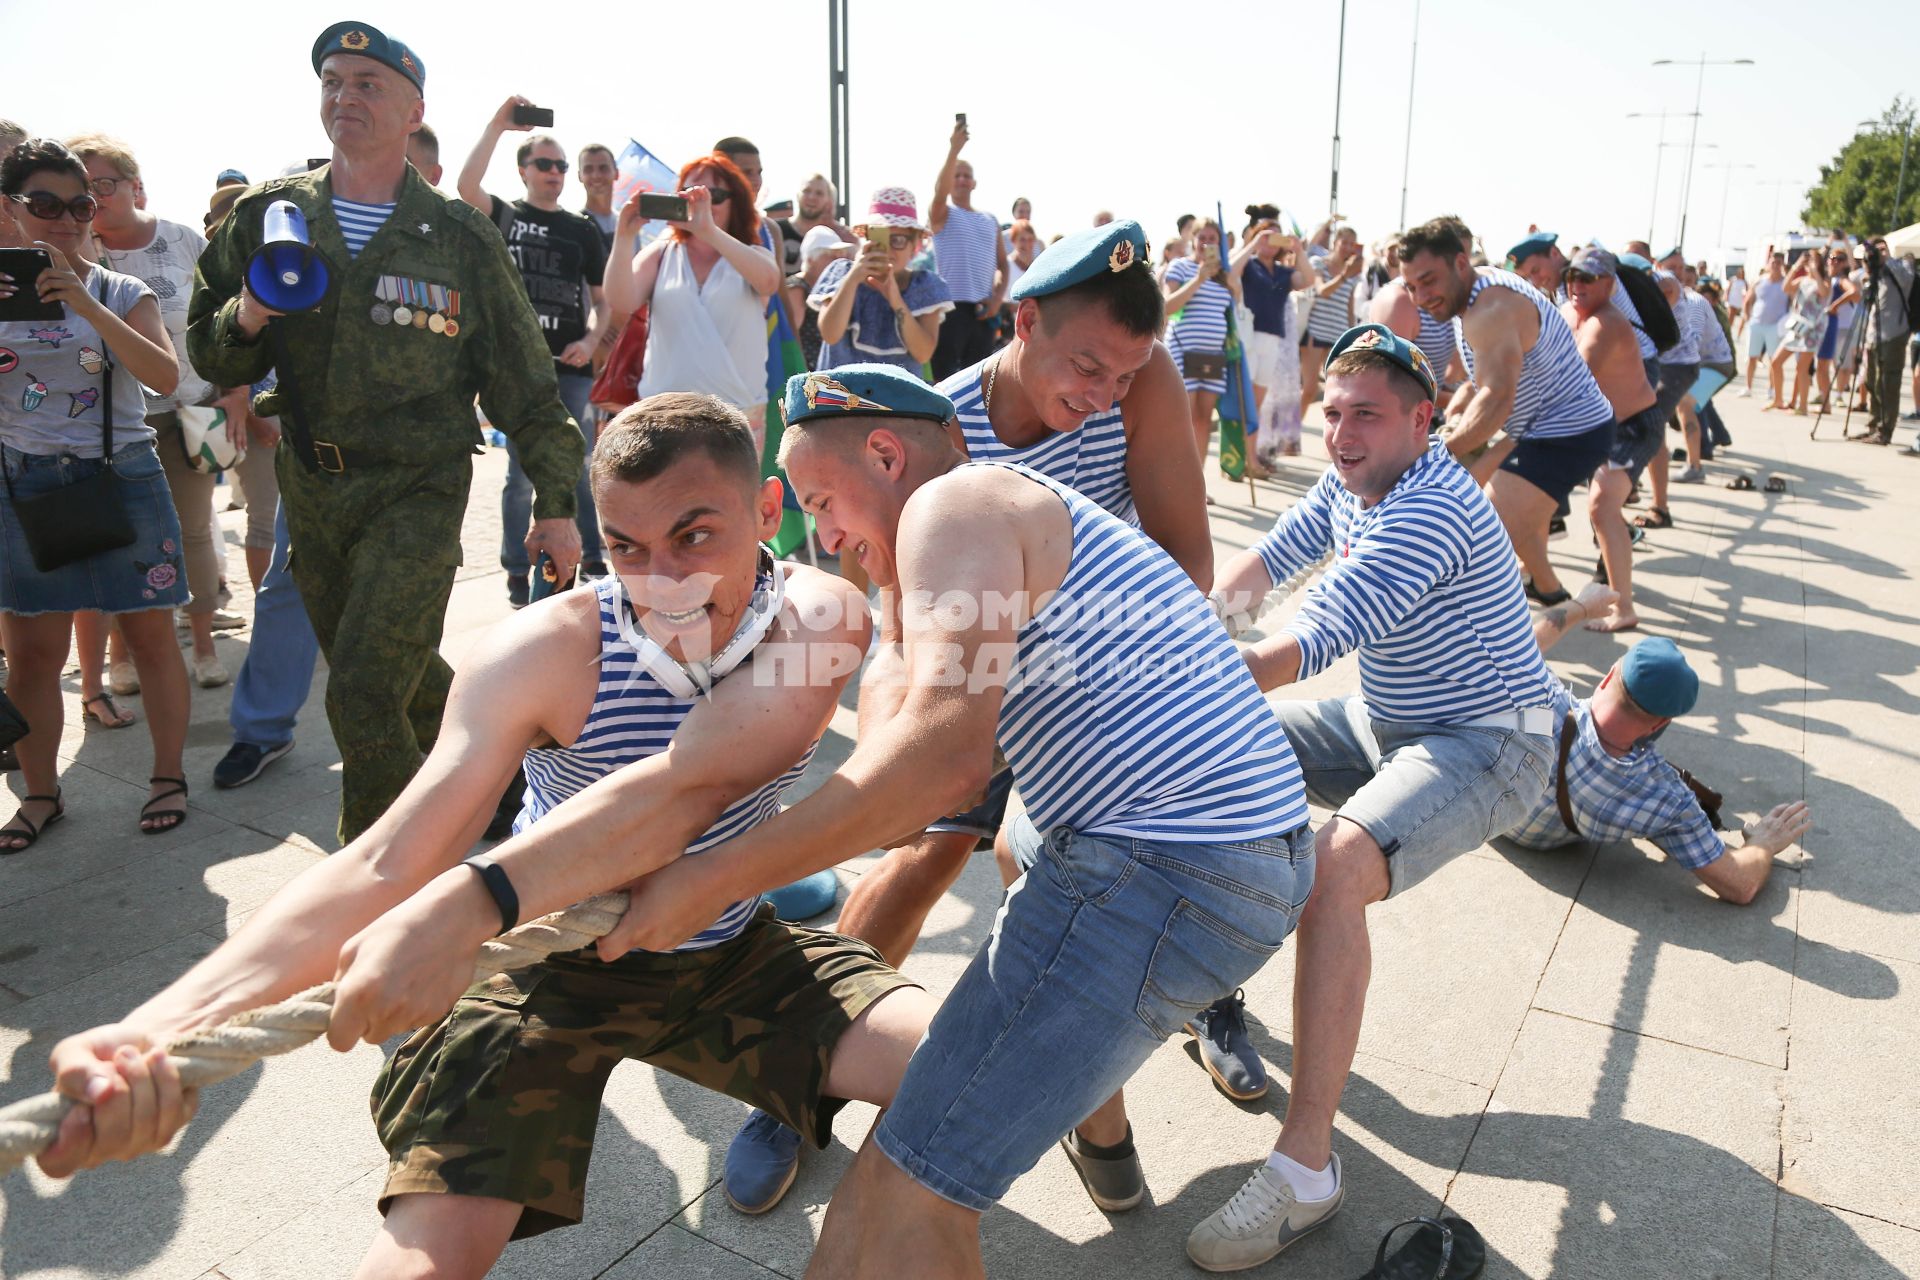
<point x="1657" y="320"/>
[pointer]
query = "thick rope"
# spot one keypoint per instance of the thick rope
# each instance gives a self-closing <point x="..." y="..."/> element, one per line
<point x="1238" y="626"/>
<point x="206" y="1057"/>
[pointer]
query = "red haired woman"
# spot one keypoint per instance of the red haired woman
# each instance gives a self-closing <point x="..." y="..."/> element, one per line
<point x="707" y="282"/>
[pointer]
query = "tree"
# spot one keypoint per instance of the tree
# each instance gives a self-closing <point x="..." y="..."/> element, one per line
<point x="1856" y="191"/>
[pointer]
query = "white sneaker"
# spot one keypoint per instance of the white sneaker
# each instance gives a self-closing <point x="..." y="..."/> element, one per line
<point x="1745" y="393"/>
<point x="1262" y="1219"/>
<point x="123" y="679"/>
<point x="210" y="673"/>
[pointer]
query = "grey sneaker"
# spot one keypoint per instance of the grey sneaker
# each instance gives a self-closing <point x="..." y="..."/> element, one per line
<point x="1113" y="1181"/>
<point x="1225" y="1051"/>
<point x="1692" y="475"/>
<point x="1262" y="1219"/>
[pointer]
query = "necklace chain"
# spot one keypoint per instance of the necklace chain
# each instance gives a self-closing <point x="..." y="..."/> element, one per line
<point x="986" y="401"/>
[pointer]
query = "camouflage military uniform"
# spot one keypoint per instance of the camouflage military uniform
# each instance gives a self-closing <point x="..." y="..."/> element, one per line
<point x="502" y="1098"/>
<point x="375" y="521"/>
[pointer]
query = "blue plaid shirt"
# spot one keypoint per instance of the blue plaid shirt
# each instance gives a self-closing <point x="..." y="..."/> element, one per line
<point x="1635" y="796"/>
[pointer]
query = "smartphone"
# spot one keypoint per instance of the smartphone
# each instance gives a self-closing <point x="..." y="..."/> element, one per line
<point x="313" y="164"/>
<point x="654" y="204"/>
<point x="960" y="118"/>
<point x="539" y="117"/>
<point x="546" y="580"/>
<point x="880" y="237"/>
<point x="25" y="266"/>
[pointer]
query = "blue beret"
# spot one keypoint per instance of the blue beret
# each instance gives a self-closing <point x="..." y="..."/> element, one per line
<point x="1636" y="261"/>
<point x="1538" y="242"/>
<point x="369" y="41"/>
<point x="865" y="390"/>
<point x="1077" y="258"/>
<point x="1377" y="337"/>
<point x="1658" y="678"/>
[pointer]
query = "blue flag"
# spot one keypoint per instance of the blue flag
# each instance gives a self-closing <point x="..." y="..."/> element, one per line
<point x="641" y="170"/>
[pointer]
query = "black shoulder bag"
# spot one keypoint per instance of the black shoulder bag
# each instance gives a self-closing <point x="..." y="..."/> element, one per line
<point x="83" y="519"/>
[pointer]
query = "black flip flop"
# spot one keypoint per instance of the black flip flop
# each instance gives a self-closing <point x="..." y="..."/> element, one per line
<point x="1742" y="481"/>
<point x="1442" y="1249"/>
<point x="1548" y="598"/>
<point x="1776" y="485"/>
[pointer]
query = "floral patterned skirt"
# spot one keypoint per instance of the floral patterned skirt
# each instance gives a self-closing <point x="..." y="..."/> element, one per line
<point x="146" y="575"/>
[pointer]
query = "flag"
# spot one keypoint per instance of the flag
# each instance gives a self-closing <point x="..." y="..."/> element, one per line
<point x="1236" y="404"/>
<point x="641" y="170"/>
<point x="784" y="359"/>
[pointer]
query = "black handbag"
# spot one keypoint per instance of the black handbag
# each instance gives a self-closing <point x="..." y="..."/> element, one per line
<point x="84" y="519"/>
<point x="13" y="725"/>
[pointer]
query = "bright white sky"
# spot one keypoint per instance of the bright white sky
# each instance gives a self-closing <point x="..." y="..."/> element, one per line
<point x="1146" y="109"/>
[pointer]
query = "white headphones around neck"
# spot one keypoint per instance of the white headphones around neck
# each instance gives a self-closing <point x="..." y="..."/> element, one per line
<point x="683" y="679"/>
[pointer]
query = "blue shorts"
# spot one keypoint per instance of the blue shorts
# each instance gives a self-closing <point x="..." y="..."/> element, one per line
<point x="1636" y="441"/>
<point x="984" y="819"/>
<point x="1426" y="793"/>
<point x="1103" y="949"/>
<point x="1558" y="465"/>
<point x="149" y="574"/>
<point x="1762" y="339"/>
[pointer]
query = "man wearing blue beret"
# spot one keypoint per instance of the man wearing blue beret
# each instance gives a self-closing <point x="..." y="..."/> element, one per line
<point x="1537" y="260"/>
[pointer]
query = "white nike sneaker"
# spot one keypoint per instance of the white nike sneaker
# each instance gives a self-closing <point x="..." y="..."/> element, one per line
<point x="1262" y="1219"/>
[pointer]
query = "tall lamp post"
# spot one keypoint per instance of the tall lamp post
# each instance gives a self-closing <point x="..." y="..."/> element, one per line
<point x="1339" y="77"/>
<point x="1725" y="188"/>
<point x="1406" y="160"/>
<point x="1773" y="223"/>
<point x="1658" y="148"/>
<point x="1699" y="83"/>
<point x="839" y="110"/>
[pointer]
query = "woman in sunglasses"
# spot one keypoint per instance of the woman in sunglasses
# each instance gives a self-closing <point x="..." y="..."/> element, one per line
<point x="877" y="307"/>
<point x="58" y="377"/>
<point x="707" y="282"/>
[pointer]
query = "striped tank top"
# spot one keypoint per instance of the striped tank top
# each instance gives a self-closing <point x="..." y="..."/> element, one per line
<point x="1129" y="713"/>
<point x="1091" y="459"/>
<point x="1557" y="395"/>
<point x="633" y="718"/>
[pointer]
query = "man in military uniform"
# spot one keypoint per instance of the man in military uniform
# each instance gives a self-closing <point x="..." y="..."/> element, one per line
<point x="376" y="390"/>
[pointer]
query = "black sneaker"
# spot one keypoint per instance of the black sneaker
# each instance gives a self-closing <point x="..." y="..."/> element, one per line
<point x="517" y="590"/>
<point x="244" y="762"/>
<point x="1112" y="1175"/>
<point x="1556" y="529"/>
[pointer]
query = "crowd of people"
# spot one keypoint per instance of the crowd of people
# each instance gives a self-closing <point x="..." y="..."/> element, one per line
<point x="983" y="415"/>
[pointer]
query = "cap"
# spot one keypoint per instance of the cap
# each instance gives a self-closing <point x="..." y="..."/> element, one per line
<point x="778" y="207"/>
<point x="867" y="390"/>
<point x="1658" y="678"/>
<point x="1078" y="258"/>
<point x="1537" y="242"/>
<point x="821" y="239"/>
<point x="1377" y="337"/>
<point x="230" y="175"/>
<point x="1595" y="262"/>
<point x="369" y="41"/>
<point x="893" y="207"/>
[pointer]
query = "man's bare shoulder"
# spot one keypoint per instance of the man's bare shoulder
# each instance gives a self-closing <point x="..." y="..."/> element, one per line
<point x="822" y="608"/>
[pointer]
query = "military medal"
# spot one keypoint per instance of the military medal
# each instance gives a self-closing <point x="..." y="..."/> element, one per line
<point x="420" y="319"/>
<point x="452" y="329"/>
<point x="436" y="321"/>
<point x="402" y="316"/>
<point x="382" y="312"/>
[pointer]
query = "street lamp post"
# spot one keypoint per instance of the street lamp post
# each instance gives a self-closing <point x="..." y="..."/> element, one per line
<point x="1725" y="188"/>
<point x="1658" y="147"/>
<point x="1339" y="77"/>
<point x="839" y="107"/>
<point x="1773" y="223"/>
<point x="1699" y="84"/>
<point x="1406" y="160"/>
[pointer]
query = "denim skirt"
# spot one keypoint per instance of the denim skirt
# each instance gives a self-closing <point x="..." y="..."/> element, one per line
<point x="149" y="574"/>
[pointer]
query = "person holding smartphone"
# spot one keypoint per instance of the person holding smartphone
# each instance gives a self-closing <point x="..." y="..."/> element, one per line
<point x="1200" y="290"/>
<point x="67" y="379"/>
<point x="877" y="308"/>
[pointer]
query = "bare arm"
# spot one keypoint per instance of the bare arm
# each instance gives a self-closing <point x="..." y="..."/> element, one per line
<point x="474" y="172"/>
<point x="1553" y="623"/>
<point x="1240" y="590"/>
<point x="139" y="344"/>
<point x="1163" y="471"/>
<point x="835" y="316"/>
<point x="1740" y="873"/>
<point x="630" y="279"/>
<point x="1177" y="296"/>
<point x="1494" y="333"/>
<point x="943" y="185"/>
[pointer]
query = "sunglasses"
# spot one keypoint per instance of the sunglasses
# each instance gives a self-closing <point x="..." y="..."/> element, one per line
<point x="48" y="207"/>
<point x="1580" y="277"/>
<point x="547" y="164"/>
<point x="721" y="195"/>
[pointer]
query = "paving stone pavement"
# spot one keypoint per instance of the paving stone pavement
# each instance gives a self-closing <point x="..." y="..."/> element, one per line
<point x="1605" y="1069"/>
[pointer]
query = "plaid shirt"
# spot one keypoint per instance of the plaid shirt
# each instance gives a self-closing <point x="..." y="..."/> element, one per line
<point x="1635" y="796"/>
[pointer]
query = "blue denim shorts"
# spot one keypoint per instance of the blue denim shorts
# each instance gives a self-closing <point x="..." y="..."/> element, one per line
<point x="1105" y="947"/>
<point x="1425" y="792"/>
<point x="149" y="574"/>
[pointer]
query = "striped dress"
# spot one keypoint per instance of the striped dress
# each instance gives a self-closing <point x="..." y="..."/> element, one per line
<point x="633" y="718"/>
<point x="1557" y="395"/>
<point x="1202" y="326"/>
<point x="1332" y="315"/>
<point x="1424" y="584"/>
<point x="1129" y="713"/>
<point x="1091" y="459"/>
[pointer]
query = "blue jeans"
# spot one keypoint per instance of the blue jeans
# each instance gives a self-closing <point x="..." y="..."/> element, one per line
<point x="516" y="496"/>
<point x="273" y="682"/>
<point x="1104" y="948"/>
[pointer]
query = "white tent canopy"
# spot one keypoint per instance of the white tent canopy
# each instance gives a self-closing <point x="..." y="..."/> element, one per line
<point x="1904" y="241"/>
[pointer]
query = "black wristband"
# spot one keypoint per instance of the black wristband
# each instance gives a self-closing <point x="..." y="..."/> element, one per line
<point x="499" y="887"/>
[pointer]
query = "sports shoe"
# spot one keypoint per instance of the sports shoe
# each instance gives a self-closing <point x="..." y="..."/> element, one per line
<point x="244" y="762"/>
<point x="1745" y="393"/>
<point x="1226" y="1052"/>
<point x="210" y="673"/>
<point x="1692" y="475"/>
<point x="1556" y="529"/>
<point x="1113" y="1178"/>
<point x="762" y="1161"/>
<point x="123" y="678"/>
<point x="516" y="591"/>
<point x="1262" y="1219"/>
<point x="221" y="620"/>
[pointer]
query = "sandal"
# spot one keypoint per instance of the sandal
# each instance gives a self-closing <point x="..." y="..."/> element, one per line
<point x="1742" y="482"/>
<point x="1446" y="1247"/>
<point x="1776" y="485"/>
<point x="1548" y="598"/>
<point x="1655" y="518"/>
<point x="27" y="831"/>
<point x="168" y="818"/>
<point x="109" y="715"/>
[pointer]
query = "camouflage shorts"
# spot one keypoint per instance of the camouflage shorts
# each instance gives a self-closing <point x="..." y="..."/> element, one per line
<point x="502" y="1098"/>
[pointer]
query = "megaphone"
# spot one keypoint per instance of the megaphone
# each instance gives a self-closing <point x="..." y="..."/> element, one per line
<point x="285" y="272"/>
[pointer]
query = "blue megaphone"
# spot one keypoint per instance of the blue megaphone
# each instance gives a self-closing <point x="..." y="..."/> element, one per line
<point x="285" y="272"/>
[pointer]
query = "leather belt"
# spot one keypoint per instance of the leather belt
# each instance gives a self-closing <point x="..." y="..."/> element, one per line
<point x="334" y="460"/>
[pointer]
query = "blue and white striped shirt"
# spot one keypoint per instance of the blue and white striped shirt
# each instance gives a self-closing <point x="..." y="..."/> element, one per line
<point x="359" y="221"/>
<point x="633" y="718"/>
<point x="1332" y="315"/>
<point x="1091" y="459"/>
<point x="1129" y="712"/>
<point x="1424" y="584"/>
<point x="1202" y="325"/>
<point x="1635" y="796"/>
<point x="1557" y="395"/>
<point x="1687" y="350"/>
<point x="963" y="249"/>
